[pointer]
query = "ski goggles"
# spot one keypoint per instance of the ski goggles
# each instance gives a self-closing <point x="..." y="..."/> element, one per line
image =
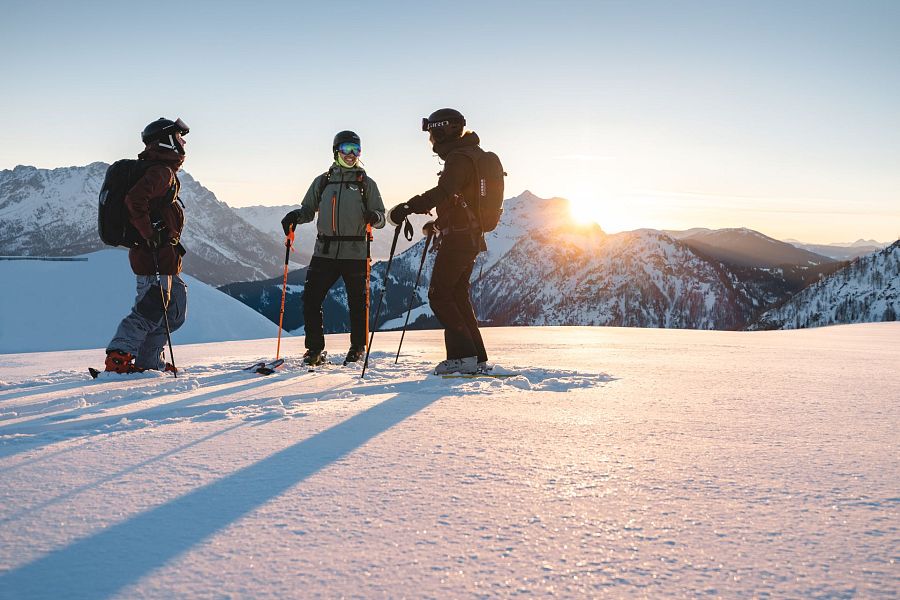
<point x="179" y="127"/>
<point x="429" y="125"/>
<point x="349" y="148"/>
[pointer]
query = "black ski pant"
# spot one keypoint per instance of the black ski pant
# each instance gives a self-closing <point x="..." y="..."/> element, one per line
<point x="448" y="296"/>
<point x="320" y="276"/>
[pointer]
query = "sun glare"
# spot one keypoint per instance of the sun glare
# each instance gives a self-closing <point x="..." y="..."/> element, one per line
<point x="588" y="209"/>
<point x="585" y="210"/>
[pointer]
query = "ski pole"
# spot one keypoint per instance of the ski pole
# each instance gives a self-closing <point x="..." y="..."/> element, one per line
<point x="408" y="233"/>
<point x="165" y="304"/>
<point x="429" y="231"/>
<point x="288" y="246"/>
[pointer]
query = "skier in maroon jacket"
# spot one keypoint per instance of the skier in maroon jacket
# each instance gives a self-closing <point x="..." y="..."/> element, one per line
<point x="156" y="212"/>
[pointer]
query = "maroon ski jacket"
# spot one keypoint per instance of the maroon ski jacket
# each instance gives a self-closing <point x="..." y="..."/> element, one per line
<point x="155" y="196"/>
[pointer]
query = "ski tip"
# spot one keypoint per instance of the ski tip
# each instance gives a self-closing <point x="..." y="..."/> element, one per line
<point x="94" y="372"/>
<point x="268" y="368"/>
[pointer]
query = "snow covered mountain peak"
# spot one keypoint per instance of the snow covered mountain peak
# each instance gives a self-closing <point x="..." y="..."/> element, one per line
<point x="54" y="212"/>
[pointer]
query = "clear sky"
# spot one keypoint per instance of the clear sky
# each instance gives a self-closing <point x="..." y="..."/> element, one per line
<point x="781" y="116"/>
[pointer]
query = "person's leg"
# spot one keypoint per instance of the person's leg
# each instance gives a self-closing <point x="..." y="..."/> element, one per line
<point x="151" y="354"/>
<point x="145" y="316"/>
<point x="463" y="300"/>
<point x="449" y="266"/>
<point x="354" y="275"/>
<point x="321" y="274"/>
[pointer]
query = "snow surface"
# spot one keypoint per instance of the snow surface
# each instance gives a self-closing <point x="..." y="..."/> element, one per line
<point x="50" y="305"/>
<point x="620" y="463"/>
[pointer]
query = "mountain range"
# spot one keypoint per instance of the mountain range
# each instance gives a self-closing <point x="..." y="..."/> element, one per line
<point x="53" y="212"/>
<point x="867" y="290"/>
<point x="540" y="267"/>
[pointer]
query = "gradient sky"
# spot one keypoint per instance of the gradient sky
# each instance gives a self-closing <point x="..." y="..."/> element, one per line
<point x="780" y="116"/>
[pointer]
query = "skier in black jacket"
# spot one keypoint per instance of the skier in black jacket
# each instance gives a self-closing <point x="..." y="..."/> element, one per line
<point x="459" y="239"/>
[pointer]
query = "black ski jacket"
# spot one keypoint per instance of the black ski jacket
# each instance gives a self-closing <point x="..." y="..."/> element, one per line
<point x="455" y="189"/>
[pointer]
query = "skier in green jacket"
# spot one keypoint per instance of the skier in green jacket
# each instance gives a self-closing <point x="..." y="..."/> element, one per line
<point x="349" y="205"/>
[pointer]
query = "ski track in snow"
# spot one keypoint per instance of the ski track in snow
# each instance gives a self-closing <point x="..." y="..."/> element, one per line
<point x="617" y="463"/>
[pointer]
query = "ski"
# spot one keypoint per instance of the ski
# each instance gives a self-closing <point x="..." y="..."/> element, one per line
<point x="94" y="372"/>
<point x="268" y="368"/>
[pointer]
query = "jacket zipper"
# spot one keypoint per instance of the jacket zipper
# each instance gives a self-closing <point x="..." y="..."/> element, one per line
<point x="334" y="213"/>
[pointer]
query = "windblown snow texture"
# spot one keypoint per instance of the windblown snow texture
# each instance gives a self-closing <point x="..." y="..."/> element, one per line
<point x="621" y="463"/>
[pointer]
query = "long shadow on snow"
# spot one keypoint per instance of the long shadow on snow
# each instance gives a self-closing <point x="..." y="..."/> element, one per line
<point x="142" y="395"/>
<point x="113" y="476"/>
<point x="46" y="427"/>
<point x="101" y="565"/>
<point x="85" y="382"/>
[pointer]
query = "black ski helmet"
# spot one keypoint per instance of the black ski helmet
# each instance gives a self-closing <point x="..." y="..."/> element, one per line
<point x="344" y="136"/>
<point x="163" y="131"/>
<point x="444" y="124"/>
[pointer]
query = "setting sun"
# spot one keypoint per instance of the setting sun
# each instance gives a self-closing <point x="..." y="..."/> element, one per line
<point x="611" y="216"/>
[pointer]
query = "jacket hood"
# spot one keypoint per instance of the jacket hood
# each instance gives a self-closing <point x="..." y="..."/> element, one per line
<point x="338" y="173"/>
<point x="468" y="139"/>
<point x="173" y="159"/>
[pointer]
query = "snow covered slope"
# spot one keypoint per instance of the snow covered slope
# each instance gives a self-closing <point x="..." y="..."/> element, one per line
<point x="69" y="305"/>
<point x="47" y="212"/>
<point x="621" y="463"/>
<point x="866" y="291"/>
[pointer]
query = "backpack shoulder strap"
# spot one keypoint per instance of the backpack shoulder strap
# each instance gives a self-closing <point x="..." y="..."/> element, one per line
<point x="363" y="181"/>
<point x="323" y="181"/>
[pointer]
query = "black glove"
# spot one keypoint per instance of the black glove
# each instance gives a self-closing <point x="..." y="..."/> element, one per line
<point x="397" y="214"/>
<point x="290" y="221"/>
<point x="371" y="217"/>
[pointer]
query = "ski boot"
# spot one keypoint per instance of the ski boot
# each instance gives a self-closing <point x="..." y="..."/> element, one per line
<point x="466" y="366"/>
<point x="354" y="354"/>
<point x="314" y="358"/>
<point x="121" y="362"/>
<point x="485" y="367"/>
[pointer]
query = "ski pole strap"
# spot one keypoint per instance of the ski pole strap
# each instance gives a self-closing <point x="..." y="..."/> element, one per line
<point x="407" y="230"/>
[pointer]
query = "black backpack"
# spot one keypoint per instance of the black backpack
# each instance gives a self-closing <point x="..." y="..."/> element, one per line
<point x="489" y="176"/>
<point x="113" y="224"/>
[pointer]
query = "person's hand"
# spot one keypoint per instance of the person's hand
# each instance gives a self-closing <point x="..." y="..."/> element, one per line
<point x="397" y="214"/>
<point x="290" y="221"/>
<point x="157" y="240"/>
<point x="371" y="217"/>
<point x="429" y="229"/>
